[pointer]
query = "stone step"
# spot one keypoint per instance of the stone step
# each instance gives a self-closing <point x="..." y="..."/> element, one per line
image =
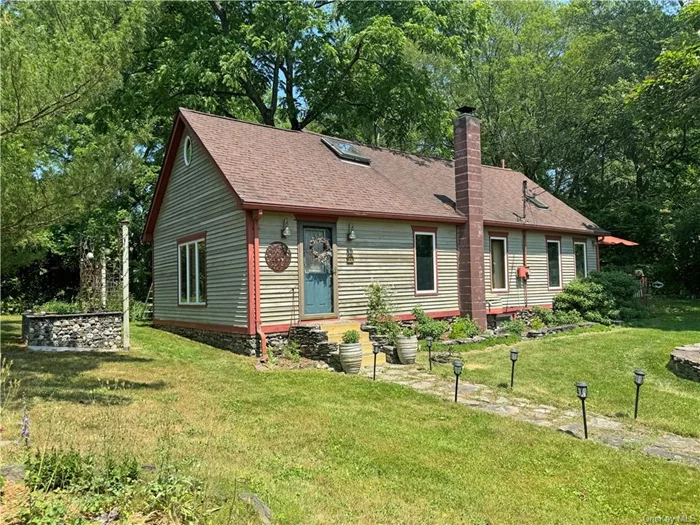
<point x="340" y="327"/>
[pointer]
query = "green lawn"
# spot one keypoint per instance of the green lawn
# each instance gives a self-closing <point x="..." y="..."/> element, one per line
<point x="320" y="447"/>
<point x="548" y="368"/>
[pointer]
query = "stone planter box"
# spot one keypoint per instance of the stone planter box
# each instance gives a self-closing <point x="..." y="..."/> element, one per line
<point x="685" y="362"/>
<point x="74" y="332"/>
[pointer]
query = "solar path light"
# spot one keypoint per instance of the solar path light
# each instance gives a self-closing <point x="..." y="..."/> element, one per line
<point x="375" y="351"/>
<point x="582" y="393"/>
<point x="513" y="359"/>
<point x="457" y="366"/>
<point x="429" y="342"/>
<point x="638" y="380"/>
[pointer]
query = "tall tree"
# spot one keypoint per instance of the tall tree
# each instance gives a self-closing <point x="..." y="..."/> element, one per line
<point x="60" y="59"/>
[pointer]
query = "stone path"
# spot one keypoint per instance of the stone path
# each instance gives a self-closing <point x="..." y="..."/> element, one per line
<point x="601" y="429"/>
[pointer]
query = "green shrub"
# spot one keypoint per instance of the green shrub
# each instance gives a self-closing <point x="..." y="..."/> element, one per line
<point x="622" y="287"/>
<point x="536" y="324"/>
<point x="351" y="337"/>
<point x="601" y="297"/>
<point x="544" y="314"/>
<point x="408" y="332"/>
<point x="292" y="351"/>
<point x="513" y="327"/>
<point x="378" y="304"/>
<point x="427" y="326"/>
<point x="379" y="312"/>
<point x="572" y="317"/>
<point x="60" y="307"/>
<point x="464" y="327"/>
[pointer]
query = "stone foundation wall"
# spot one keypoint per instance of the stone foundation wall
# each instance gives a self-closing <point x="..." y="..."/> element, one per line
<point x="88" y="331"/>
<point x="242" y="344"/>
<point x="685" y="362"/>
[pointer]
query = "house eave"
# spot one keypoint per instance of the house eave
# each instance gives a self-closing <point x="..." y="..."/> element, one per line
<point x="543" y="227"/>
<point x="339" y="212"/>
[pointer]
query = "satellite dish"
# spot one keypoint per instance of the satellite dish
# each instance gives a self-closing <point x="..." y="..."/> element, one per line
<point x="89" y="256"/>
<point x="657" y="284"/>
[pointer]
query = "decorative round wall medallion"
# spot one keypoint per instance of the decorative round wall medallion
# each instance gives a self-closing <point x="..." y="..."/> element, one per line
<point x="278" y="256"/>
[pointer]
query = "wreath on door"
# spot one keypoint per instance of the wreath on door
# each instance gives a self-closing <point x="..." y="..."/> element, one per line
<point x="326" y="248"/>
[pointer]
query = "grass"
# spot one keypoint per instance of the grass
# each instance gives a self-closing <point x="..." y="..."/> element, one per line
<point x="547" y="368"/>
<point x="319" y="447"/>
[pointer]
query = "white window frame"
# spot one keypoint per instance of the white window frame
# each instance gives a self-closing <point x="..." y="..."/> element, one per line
<point x="585" y="257"/>
<point x="505" y="261"/>
<point x="549" y="285"/>
<point x="434" y="289"/>
<point x="196" y="272"/>
<point x="188" y="144"/>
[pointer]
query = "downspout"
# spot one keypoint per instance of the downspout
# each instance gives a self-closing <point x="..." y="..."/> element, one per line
<point x="525" y="264"/>
<point x="256" y="278"/>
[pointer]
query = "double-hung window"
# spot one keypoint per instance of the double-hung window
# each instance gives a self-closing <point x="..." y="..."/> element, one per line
<point x="554" y="263"/>
<point x="580" y="259"/>
<point x="424" y="243"/>
<point x="192" y="272"/>
<point x="499" y="264"/>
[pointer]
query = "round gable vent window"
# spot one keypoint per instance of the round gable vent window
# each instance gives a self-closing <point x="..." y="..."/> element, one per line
<point x="187" y="151"/>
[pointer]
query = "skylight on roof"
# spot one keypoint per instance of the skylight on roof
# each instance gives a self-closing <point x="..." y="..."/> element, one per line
<point x="345" y="150"/>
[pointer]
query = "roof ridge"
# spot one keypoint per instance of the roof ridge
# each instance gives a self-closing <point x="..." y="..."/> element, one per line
<point x="223" y="117"/>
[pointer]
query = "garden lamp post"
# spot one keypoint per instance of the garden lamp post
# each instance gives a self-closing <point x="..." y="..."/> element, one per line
<point x="457" y="365"/>
<point x="638" y="380"/>
<point x="582" y="393"/>
<point x="429" y="342"/>
<point x="513" y="359"/>
<point x="375" y="351"/>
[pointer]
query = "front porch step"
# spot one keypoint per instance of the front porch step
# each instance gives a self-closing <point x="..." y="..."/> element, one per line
<point x="335" y="331"/>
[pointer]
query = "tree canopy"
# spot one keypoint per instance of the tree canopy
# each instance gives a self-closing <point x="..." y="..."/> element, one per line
<point x="595" y="100"/>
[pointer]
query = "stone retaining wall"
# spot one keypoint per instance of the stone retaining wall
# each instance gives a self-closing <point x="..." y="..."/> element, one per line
<point x="87" y="331"/>
<point x="685" y="362"/>
<point x="242" y="344"/>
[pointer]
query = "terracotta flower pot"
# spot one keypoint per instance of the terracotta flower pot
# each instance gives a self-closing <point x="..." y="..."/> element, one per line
<point x="407" y="348"/>
<point x="351" y="357"/>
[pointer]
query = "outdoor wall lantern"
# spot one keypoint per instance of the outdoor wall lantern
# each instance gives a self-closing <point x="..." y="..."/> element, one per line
<point x="429" y="342"/>
<point x="513" y="359"/>
<point x="638" y="380"/>
<point x="582" y="393"/>
<point x="351" y="232"/>
<point x="375" y="351"/>
<point x="457" y="365"/>
<point x="285" y="228"/>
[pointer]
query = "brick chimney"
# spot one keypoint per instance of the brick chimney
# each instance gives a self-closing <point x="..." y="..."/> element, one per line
<point x="469" y="201"/>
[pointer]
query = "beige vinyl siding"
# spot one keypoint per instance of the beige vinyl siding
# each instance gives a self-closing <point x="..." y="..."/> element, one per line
<point x="198" y="200"/>
<point x="383" y="252"/>
<point x="279" y="291"/>
<point x="538" y="291"/>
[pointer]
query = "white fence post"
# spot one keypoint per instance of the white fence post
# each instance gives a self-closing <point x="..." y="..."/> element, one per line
<point x="125" y="284"/>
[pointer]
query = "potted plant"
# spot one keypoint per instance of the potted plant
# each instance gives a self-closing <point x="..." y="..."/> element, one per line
<point x="351" y="352"/>
<point x="407" y="347"/>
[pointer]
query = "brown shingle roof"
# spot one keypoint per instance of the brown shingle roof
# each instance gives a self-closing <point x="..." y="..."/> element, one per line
<point x="276" y="168"/>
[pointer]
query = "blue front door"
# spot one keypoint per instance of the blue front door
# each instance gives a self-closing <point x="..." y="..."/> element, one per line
<point x="318" y="270"/>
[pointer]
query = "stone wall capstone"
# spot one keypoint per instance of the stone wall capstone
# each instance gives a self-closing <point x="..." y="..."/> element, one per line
<point x="86" y="331"/>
